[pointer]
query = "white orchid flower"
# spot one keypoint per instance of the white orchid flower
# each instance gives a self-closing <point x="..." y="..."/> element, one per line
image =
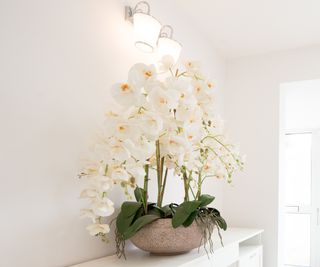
<point x="193" y="68"/>
<point x="212" y="143"/>
<point x="120" y="126"/>
<point x="102" y="182"/>
<point x="95" y="229"/>
<point x="89" y="193"/>
<point x="183" y="113"/>
<point x="200" y="90"/>
<point x="210" y="85"/>
<point x="193" y="132"/>
<point x="103" y="208"/>
<point x="124" y="94"/>
<point x="208" y="107"/>
<point x="136" y="169"/>
<point x="125" y="130"/>
<point x="93" y="168"/>
<point x="140" y="74"/>
<point x="214" y="125"/>
<point x="191" y="160"/>
<point x="195" y="118"/>
<point x="179" y="84"/>
<point x="88" y="213"/>
<point x="170" y="162"/>
<point x="221" y="173"/>
<point x="209" y="167"/>
<point x="118" y="173"/>
<point x="118" y="150"/>
<point x="110" y="123"/>
<point x="150" y="123"/>
<point x="176" y="145"/>
<point x="149" y="86"/>
<point x="166" y="63"/>
<point x="187" y="99"/>
<point x="163" y="100"/>
<point x="170" y="125"/>
<point x="141" y="149"/>
<point x="106" y="184"/>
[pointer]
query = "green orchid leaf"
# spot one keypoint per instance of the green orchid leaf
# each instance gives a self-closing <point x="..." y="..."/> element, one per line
<point x="140" y="194"/>
<point x="215" y="212"/>
<point x="190" y="219"/>
<point x="130" y="208"/>
<point x="151" y="204"/>
<point x="206" y="200"/>
<point x="184" y="211"/>
<point x="127" y="215"/>
<point x="217" y="219"/>
<point x="155" y="210"/>
<point x="123" y="223"/>
<point x="173" y="207"/>
<point x="138" y="224"/>
<point x="167" y="211"/>
<point x="221" y="223"/>
<point x="138" y="214"/>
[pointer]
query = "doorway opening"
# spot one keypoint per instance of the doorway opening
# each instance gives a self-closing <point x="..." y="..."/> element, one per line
<point x="299" y="185"/>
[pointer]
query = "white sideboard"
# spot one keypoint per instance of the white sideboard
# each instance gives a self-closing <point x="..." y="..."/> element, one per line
<point x="242" y="248"/>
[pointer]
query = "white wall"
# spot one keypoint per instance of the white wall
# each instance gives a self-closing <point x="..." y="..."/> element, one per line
<point x="252" y="114"/>
<point x="57" y="61"/>
<point x="301" y="107"/>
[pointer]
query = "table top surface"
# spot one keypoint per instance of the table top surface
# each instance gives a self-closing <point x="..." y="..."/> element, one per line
<point x="135" y="256"/>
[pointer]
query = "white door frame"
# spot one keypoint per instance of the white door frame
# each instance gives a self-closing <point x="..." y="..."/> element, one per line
<point x="314" y="210"/>
<point x="315" y="243"/>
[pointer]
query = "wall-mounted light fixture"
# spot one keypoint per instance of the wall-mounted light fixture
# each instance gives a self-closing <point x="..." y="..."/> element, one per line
<point x="149" y="34"/>
<point x="167" y="45"/>
<point x="146" y="27"/>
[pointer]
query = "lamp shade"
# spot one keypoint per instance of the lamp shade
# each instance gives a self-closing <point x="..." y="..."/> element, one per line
<point x="146" y="31"/>
<point x="168" y="46"/>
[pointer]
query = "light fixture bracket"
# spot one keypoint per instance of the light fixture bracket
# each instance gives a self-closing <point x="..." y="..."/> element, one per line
<point x="141" y="7"/>
<point x="164" y="31"/>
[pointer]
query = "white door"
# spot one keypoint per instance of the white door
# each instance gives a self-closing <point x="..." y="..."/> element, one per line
<point x="302" y="169"/>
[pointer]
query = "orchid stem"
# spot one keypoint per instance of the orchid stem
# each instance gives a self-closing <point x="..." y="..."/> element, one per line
<point x="163" y="187"/>
<point x="186" y="186"/>
<point x="199" y="186"/>
<point x="159" y="175"/>
<point x="145" y="187"/>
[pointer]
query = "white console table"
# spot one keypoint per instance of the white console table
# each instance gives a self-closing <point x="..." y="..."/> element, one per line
<point x="242" y="248"/>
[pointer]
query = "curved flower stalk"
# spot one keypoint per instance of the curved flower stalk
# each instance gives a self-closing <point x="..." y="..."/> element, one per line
<point x="167" y="123"/>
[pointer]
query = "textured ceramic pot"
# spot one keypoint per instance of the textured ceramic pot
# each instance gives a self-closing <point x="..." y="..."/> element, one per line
<point x="160" y="237"/>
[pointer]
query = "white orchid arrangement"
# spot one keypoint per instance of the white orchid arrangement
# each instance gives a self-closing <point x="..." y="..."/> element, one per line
<point x="166" y="124"/>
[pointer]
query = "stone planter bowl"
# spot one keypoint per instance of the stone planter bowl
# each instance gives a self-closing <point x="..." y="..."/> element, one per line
<point x="159" y="237"/>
